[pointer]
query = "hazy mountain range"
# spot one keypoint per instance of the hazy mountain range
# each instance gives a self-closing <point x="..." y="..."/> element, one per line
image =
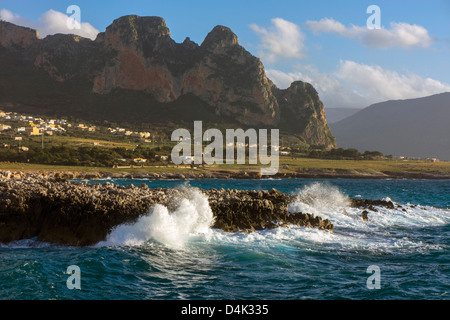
<point x="412" y="128"/>
<point x="338" y="114"/>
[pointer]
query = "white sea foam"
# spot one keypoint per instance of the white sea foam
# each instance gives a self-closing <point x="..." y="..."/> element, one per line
<point x="192" y="217"/>
<point x="351" y="231"/>
<point x="325" y="201"/>
<point x="26" y="244"/>
<point x="329" y="202"/>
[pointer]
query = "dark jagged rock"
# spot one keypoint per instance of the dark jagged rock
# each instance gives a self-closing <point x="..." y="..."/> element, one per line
<point x="364" y="215"/>
<point x="257" y="210"/>
<point x="368" y="204"/>
<point x="50" y="208"/>
<point x="54" y="210"/>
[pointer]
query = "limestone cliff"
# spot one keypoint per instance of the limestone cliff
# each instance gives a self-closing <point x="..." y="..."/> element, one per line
<point x="303" y="112"/>
<point x="220" y="72"/>
<point x="14" y="37"/>
<point x="135" y="71"/>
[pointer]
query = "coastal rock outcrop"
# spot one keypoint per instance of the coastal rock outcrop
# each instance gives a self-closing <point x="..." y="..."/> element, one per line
<point x="247" y="211"/>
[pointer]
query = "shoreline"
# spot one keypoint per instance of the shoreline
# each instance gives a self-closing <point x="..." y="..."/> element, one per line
<point x="289" y="168"/>
<point x="82" y="214"/>
<point x="64" y="174"/>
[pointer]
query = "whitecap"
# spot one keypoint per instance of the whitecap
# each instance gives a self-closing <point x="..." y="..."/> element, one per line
<point x="192" y="217"/>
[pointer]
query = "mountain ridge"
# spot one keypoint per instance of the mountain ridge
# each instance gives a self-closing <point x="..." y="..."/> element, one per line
<point x="137" y="66"/>
<point x="411" y="127"/>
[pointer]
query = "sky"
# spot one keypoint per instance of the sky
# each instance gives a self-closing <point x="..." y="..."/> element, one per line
<point x="352" y="56"/>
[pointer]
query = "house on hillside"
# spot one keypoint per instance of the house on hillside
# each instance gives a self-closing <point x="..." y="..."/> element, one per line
<point x="140" y="160"/>
<point x="4" y="127"/>
<point x="144" y="135"/>
<point x="33" y="131"/>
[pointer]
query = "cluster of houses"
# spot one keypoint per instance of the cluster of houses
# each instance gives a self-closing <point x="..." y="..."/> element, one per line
<point x="144" y="136"/>
<point x="35" y="126"/>
<point x="32" y="126"/>
<point x="83" y="127"/>
<point x="416" y="158"/>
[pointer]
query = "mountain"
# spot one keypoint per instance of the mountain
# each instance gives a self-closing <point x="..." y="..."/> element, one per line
<point x="338" y="114"/>
<point x="135" y="72"/>
<point x="413" y="128"/>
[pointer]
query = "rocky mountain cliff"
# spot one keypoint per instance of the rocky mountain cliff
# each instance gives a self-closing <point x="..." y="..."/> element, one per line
<point x="135" y="71"/>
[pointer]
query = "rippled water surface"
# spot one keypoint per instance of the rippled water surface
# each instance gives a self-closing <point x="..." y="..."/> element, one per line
<point x="176" y="255"/>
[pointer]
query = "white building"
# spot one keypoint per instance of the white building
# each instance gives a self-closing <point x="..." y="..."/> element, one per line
<point x="4" y="127"/>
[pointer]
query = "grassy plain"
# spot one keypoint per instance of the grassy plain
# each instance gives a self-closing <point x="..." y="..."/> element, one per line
<point x="288" y="165"/>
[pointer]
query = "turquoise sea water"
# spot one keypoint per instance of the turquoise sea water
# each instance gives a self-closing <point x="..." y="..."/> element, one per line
<point x="175" y="255"/>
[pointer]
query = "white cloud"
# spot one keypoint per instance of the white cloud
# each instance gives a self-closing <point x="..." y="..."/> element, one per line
<point x="332" y="91"/>
<point x="283" y="40"/>
<point x="355" y="85"/>
<point x="7" y="15"/>
<point x="399" y="35"/>
<point x="51" y="22"/>
<point x="326" y="25"/>
<point x="380" y="84"/>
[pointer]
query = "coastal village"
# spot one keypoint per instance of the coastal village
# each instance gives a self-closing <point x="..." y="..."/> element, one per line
<point x="15" y="127"/>
<point x="34" y="126"/>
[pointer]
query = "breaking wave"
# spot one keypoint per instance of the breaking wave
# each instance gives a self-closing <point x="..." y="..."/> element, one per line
<point x="191" y="217"/>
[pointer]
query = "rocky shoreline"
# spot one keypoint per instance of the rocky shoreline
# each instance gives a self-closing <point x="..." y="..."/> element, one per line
<point x="52" y="209"/>
<point x="222" y="174"/>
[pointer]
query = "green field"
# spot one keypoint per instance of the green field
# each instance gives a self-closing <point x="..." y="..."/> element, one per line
<point x="287" y="165"/>
<point x="101" y="144"/>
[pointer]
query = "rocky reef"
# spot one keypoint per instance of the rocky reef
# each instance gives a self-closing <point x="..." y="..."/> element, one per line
<point x="135" y="72"/>
<point x="79" y="214"/>
<point x="53" y="209"/>
<point x="248" y="211"/>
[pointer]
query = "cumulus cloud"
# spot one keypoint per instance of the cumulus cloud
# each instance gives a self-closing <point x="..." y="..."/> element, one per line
<point x="51" y="22"/>
<point x="283" y="40"/>
<point x="356" y="85"/>
<point x="332" y="91"/>
<point x="399" y="35"/>
<point x="380" y="84"/>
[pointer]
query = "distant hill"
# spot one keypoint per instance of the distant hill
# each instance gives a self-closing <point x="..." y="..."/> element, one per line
<point x="338" y="114"/>
<point x="135" y="72"/>
<point x="414" y="127"/>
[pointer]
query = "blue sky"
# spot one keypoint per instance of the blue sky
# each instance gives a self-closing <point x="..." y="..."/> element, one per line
<point x="323" y="42"/>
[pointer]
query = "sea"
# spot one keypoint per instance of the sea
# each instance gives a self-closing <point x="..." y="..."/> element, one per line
<point x="398" y="254"/>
